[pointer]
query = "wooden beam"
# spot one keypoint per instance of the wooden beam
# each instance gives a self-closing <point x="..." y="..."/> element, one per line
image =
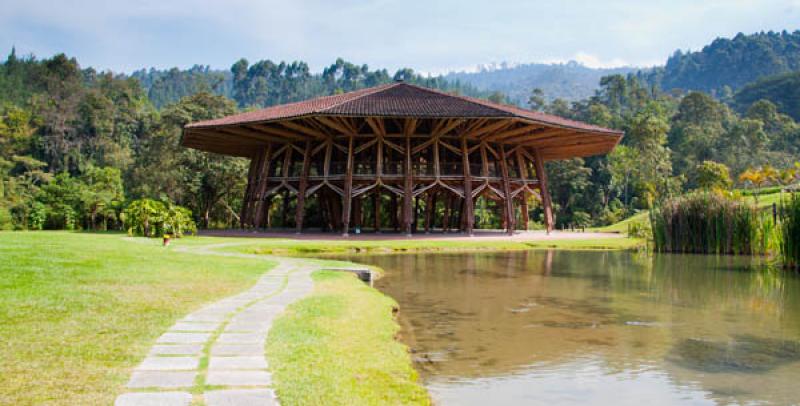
<point x="496" y="126"/>
<point x="312" y="132"/>
<point x="334" y="125"/>
<point x="279" y="132"/>
<point x="547" y="204"/>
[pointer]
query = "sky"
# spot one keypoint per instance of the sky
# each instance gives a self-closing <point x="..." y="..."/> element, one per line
<point x="427" y="35"/>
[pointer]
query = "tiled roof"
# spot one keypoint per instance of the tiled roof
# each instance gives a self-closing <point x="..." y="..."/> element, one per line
<point x="398" y="100"/>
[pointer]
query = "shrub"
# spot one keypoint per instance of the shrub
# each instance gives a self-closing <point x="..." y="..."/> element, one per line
<point x="640" y="229"/>
<point x="152" y="218"/>
<point x="713" y="175"/>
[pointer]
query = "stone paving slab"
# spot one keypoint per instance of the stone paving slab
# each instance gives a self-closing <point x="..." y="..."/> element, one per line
<point x="184" y="338"/>
<point x="169" y="363"/>
<point x="205" y="317"/>
<point x="242" y="338"/>
<point x="176" y="349"/>
<point x="248" y="326"/>
<point x="237" y="349"/>
<point x="240" y="397"/>
<point x="154" y="399"/>
<point x="200" y="327"/>
<point x="162" y="379"/>
<point x="237" y="362"/>
<point x="238" y="378"/>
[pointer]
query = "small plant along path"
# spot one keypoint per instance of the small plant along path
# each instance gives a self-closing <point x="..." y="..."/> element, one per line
<point x="215" y="355"/>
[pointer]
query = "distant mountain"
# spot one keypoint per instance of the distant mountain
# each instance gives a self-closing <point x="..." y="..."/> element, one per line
<point x="731" y="63"/>
<point x="570" y="81"/>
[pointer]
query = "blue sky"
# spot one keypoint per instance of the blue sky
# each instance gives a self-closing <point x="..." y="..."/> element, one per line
<point x="427" y="35"/>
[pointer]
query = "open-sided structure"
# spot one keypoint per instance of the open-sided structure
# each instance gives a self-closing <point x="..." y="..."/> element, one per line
<point x="409" y="152"/>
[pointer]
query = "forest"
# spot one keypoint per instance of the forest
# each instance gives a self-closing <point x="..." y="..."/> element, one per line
<point x="78" y="146"/>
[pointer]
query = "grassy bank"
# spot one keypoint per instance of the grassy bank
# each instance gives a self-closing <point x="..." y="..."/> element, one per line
<point x="337" y="347"/>
<point x="78" y="311"/>
<point x="278" y="246"/>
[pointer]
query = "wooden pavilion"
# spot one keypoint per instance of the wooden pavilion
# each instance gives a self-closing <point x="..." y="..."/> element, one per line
<point x="396" y="145"/>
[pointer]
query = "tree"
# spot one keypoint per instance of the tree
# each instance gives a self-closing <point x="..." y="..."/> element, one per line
<point x="623" y="163"/>
<point x="713" y="175"/>
<point x="536" y="101"/>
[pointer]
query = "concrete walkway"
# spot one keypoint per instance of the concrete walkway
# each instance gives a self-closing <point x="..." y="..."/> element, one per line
<point x="215" y="355"/>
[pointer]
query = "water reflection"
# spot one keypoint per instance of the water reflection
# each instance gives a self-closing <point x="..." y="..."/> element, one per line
<point x="521" y="327"/>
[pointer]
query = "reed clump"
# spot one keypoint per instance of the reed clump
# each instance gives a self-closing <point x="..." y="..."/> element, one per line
<point x="790" y="231"/>
<point x="711" y="223"/>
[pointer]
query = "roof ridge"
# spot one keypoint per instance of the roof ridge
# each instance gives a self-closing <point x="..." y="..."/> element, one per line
<point x="472" y="100"/>
<point x="368" y="91"/>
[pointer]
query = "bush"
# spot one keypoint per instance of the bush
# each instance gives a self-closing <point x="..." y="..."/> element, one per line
<point x="152" y="218"/>
<point x="640" y="229"/>
<point x="6" y="221"/>
<point x="709" y="223"/>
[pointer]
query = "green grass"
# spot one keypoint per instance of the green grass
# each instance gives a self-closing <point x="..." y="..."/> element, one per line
<point x="79" y="311"/>
<point x="337" y="347"/>
<point x="621" y="227"/>
<point x="279" y="246"/>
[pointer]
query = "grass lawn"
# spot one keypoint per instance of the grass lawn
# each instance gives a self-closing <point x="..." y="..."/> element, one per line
<point x="337" y="347"/>
<point x="79" y="311"/>
<point x="279" y="246"/>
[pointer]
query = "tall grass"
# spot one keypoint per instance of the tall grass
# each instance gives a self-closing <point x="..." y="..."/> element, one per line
<point x="711" y="223"/>
<point x="790" y="231"/>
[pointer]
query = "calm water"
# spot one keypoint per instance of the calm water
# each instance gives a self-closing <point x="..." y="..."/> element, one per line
<point x="547" y="327"/>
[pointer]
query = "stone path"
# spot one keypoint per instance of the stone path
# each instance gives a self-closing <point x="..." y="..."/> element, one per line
<point x="219" y="347"/>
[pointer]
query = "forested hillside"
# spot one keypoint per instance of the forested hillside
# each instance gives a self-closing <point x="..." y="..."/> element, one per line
<point x="729" y="64"/>
<point x="77" y="145"/>
<point x="266" y="83"/>
<point x="783" y="90"/>
<point x="570" y="81"/>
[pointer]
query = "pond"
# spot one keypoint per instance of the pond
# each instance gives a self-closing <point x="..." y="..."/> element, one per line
<point x="579" y="327"/>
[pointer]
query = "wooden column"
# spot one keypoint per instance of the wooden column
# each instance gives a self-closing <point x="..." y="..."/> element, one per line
<point x="257" y="213"/>
<point x="249" y="191"/>
<point x="547" y="204"/>
<point x="446" y="218"/>
<point x="301" y="189"/>
<point x="468" y="209"/>
<point x="508" y="203"/>
<point x="347" y="195"/>
<point x="523" y="174"/>
<point x="407" y="184"/>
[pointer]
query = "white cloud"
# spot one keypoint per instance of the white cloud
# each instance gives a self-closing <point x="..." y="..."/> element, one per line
<point x="430" y="36"/>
